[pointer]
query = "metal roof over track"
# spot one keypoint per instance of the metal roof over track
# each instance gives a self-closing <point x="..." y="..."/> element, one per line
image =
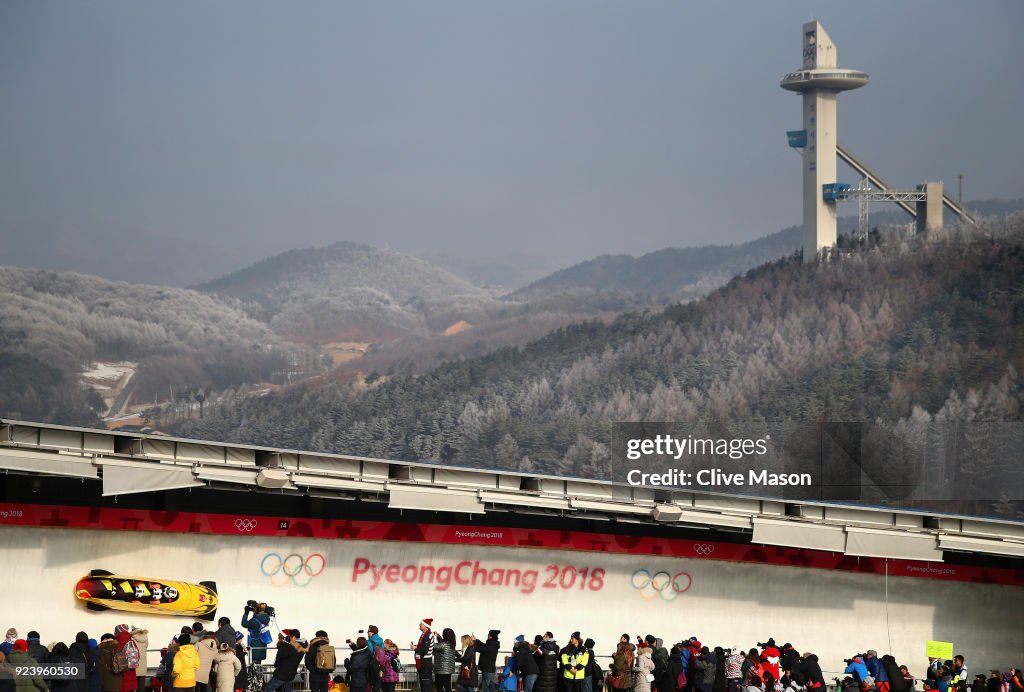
<point x="127" y="463"/>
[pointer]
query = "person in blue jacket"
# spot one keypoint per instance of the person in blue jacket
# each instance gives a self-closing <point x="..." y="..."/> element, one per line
<point x="855" y="666"/>
<point x="876" y="670"/>
<point x="509" y="680"/>
<point x="258" y="625"/>
<point x="374" y="639"/>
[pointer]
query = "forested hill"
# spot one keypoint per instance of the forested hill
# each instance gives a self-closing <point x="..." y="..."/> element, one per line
<point x="53" y="324"/>
<point x="684" y="273"/>
<point x="906" y="328"/>
<point x="678" y="273"/>
<point x="348" y="291"/>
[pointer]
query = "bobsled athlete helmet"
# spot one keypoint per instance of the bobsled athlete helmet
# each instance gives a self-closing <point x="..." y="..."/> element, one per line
<point x="170" y="593"/>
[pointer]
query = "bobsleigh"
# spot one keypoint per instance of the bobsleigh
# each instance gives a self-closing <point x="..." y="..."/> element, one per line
<point x="103" y="590"/>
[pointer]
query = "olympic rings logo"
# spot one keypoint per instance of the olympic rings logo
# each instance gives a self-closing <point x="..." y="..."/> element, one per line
<point x="245" y="525"/>
<point x="704" y="549"/>
<point x="660" y="583"/>
<point x="299" y="570"/>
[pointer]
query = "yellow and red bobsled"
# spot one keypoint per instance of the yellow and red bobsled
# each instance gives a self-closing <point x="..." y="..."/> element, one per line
<point x="102" y="590"/>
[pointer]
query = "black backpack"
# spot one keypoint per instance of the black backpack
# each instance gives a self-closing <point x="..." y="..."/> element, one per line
<point x="374" y="668"/>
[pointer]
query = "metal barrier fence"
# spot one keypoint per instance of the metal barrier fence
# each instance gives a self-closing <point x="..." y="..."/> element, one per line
<point x="260" y="674"/>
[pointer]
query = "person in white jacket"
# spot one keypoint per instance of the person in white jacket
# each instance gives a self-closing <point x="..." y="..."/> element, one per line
<point x="646" y="665"/>
<point x="227" y="666"/>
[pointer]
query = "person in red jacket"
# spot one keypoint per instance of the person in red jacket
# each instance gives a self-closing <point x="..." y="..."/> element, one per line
<point x="770" y="657"/>
<point x="129" y="681"/>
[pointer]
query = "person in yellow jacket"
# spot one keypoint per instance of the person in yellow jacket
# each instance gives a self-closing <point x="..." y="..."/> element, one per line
<point x="574" y="663"/>
<point x="186" y="663"/>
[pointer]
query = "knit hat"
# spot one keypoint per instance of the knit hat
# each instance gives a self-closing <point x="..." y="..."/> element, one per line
<point x="589" y="644"/>
<point x="32" y="635"/>
<point x="12" y="634"/>
<point x="121" y="628"/>
<point x="521" y="638"/>
<point x="6" y="648"/>
<point x="427" y="622"/>
<point x="184" y="639"/>
<point x="872" y="652"/>
<point x="20" y="645"/>
<point x="575" y="635"/>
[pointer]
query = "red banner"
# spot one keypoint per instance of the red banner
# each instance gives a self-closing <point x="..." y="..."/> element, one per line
<point x="56" y="516"/>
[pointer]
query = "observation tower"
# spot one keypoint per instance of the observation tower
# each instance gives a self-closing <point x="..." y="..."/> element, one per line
<point x="819" y="80"/>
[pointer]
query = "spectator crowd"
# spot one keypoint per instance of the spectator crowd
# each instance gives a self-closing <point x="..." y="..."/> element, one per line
<point x="197" y="660"/>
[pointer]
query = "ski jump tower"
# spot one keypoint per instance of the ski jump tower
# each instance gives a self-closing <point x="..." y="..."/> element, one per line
<point x="820" y="80"/>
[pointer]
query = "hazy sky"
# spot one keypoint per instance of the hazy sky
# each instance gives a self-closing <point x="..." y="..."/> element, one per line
<point x="177" y="141"/>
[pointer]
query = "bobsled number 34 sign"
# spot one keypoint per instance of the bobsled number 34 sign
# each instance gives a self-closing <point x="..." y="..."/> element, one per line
<point x="476" y="574"/>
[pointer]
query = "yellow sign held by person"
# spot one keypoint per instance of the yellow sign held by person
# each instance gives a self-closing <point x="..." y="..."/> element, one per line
<point x="943" y="650"/>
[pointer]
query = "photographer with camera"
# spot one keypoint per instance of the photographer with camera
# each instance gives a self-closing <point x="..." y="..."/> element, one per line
<point x="706" y="667"/>
<point x="811" y="670"/>
<point x="373" y="643"/>
<point x="286" y="665"/>
<point x="256" y="619"/>
<point x="876" y="670"/>
<point x="855" y="666"/>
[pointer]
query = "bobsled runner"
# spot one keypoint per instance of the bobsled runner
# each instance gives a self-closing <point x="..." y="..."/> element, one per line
<point x="103" y="590"/>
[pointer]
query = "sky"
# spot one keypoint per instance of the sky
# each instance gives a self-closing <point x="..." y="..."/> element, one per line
<point x="175" y="142"/>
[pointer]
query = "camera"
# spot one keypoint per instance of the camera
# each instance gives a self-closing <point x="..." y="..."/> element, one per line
<point x="254" y="606"/>
<point x="847" y="661"/>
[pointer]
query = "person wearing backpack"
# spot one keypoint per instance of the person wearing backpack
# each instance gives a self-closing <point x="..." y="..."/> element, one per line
<point x="127" y="650"/>
<point x="391" y="667"/>
<point x="320" y="662"/>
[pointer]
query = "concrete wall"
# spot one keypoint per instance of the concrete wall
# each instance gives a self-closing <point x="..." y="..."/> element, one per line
<point x="832" y="613"/>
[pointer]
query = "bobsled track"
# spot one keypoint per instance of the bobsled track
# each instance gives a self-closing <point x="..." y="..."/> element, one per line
<point x="451" y="574"/>
<point x="341" y="542"/>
